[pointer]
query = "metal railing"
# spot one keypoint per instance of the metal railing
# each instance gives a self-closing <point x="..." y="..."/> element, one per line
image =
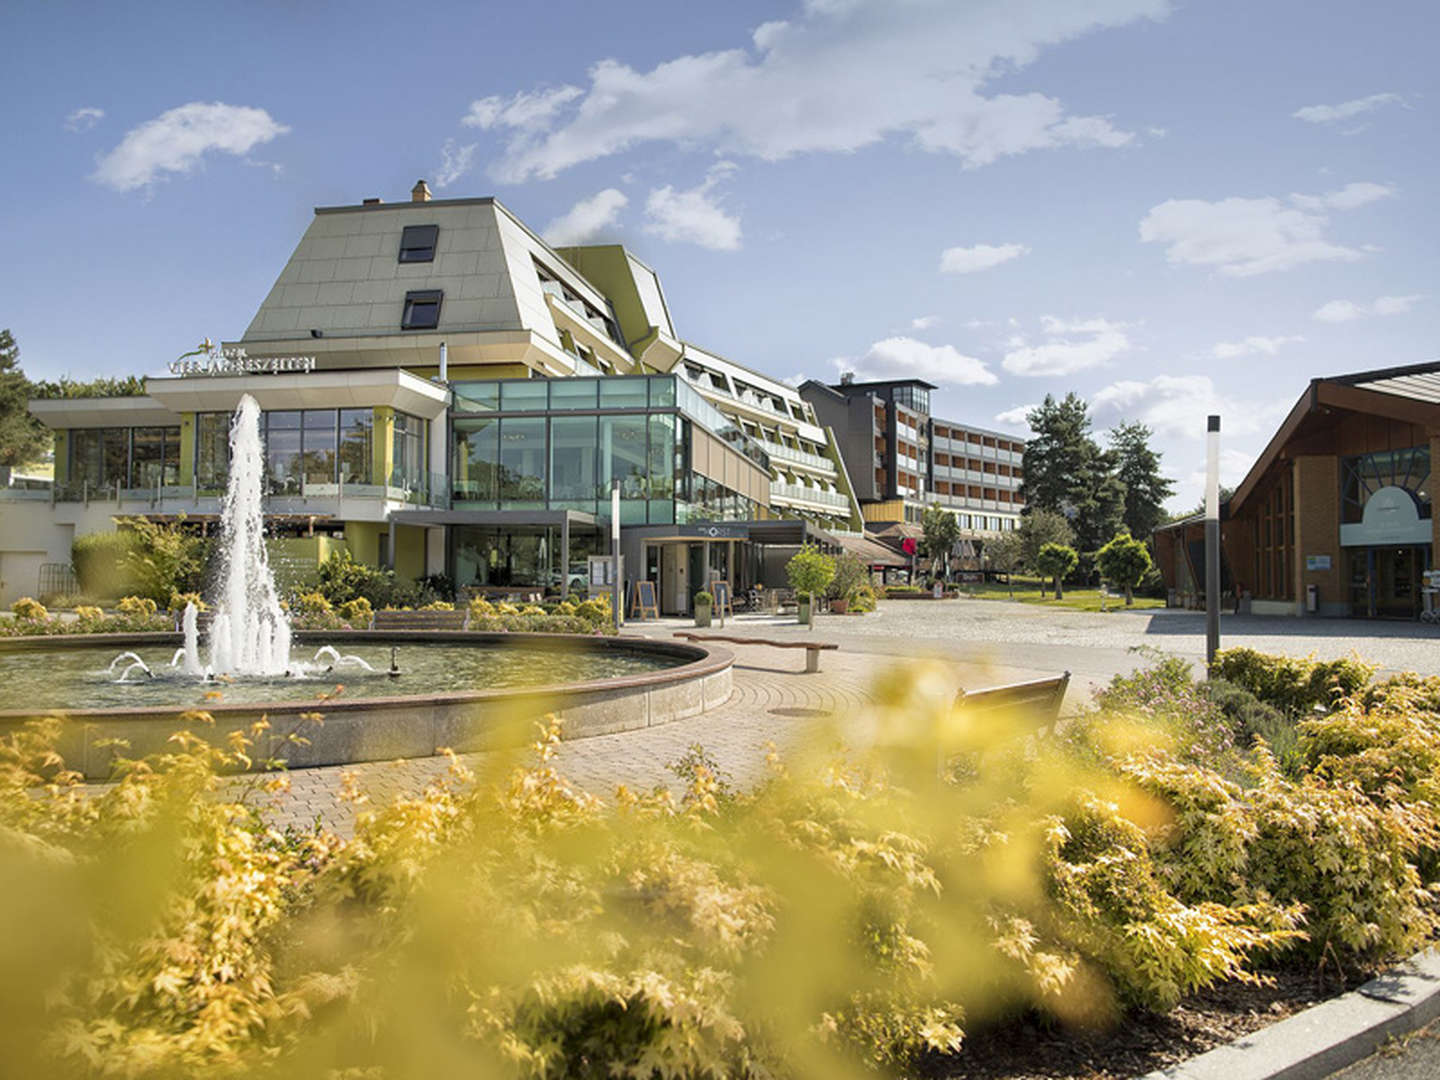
<point x="815" y="461"/>
<point x="801" y="493"/>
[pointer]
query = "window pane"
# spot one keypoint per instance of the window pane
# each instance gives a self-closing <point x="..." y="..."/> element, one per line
<point x="572" y="394"/>
<point x="320" y="446"/>
<point x="662" y="391"/>
<point x="286" y="420"/>
<point x="523" y="395"/>
<point x="626" y="393"/>
<point x="147" y="457"/>
<point x="115" y="456"/>
<point x="522" y="460"/>
<point x="282" y="459"/>
<point x="662" y="455"/>
<point x="422" y="310"/>
<point x="475" y="461"/>
<point x="212" y="449"/>
<point x="623" y="442"/>
<point x="573" y="460"/>
<point x="477" y="396"/>
<point x="417" y="243"/>
<point x="356" y="426"/>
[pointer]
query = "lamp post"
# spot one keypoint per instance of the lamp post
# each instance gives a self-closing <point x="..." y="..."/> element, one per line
<point x="1212" y="541"/>
<point x="616" y="595"/>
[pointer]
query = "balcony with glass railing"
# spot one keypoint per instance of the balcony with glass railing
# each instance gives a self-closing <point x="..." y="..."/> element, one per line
<point x="801" y="457"/>
<point x="800" y="493"/>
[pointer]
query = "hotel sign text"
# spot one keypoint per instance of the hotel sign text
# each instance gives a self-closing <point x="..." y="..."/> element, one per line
<point x="234" y="361"/>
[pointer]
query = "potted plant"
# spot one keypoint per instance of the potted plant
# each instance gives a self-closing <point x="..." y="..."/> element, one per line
<point x="839" y="605"/>
<point x="704" y="605"/>
<point x="810" y="571"/>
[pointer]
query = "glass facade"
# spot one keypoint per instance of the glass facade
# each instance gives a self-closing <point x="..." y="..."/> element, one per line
<point x="488" y="555"/>
<point x="133" y="457"/>
<point x="315" y="450"/>
<point x="532" y="444"/>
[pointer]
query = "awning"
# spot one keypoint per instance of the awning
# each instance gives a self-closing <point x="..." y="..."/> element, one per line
<point x="872" y="552"/>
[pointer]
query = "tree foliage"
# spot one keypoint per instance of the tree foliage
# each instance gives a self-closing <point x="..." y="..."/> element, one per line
<point x="1056" y="561"/>
<point x="810" y="571"/>
<point x="941" y="534"/>
<point x="1124" y="561"/>
<point x="1137" y="466"/>
<point x="1041" y="527"/>
<point x="23" y="438"/>
<point x="1005" y="554"/>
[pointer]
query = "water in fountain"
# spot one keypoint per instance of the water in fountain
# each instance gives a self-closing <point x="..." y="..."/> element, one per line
<point x="337" y="660"/>
<point x="250" y="633"/>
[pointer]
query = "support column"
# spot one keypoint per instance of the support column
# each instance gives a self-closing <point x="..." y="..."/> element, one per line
<point x="565" y="556"/>
<point x="390" y="540"/>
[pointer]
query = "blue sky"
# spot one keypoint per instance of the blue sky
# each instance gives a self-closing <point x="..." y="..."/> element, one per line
<point x="1170" y="207"/>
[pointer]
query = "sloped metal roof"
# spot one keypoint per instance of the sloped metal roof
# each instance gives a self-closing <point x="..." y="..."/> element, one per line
<point x="1418" y="382"/>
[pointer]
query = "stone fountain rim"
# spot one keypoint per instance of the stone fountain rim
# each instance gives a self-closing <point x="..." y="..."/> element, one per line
<point x="703" y="660"/>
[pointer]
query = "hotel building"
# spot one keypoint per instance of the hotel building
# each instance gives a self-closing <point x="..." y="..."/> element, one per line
<point x="902" y="459"/>
<point x="445" y="393"/>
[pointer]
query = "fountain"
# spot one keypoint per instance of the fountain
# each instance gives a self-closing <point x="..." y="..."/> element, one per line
<point x="250" y="633"/>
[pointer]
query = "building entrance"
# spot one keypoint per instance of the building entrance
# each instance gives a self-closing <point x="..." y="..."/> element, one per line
<point x="1385" y="581"/>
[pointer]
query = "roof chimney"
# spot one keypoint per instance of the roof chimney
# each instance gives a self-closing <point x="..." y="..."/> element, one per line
<point x="420" y="192"/>
<point x="372" y="202"/>
<point x="847" y="378"/>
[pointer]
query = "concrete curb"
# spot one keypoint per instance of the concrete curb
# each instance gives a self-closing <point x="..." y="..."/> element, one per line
<point x="1323" y="1039"/>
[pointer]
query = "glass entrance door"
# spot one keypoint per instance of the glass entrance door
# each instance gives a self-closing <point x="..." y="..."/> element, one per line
<point x="1397" y="582"/>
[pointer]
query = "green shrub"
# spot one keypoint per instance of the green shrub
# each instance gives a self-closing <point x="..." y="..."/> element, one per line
<point x="340" y="578"/>
<point x="1290" y="684"/>
<point x="357" y="610"/>
<point x="1252" y="719"/>
<point x="437" y="605"/>
<point x="312" y="603"/>
<point x="100" y="560"/>
<point x="850" y="574"/>
<point x="165" y="559"/>
<point x="704" y="599"/>
<point x="862" y="598"/>
<point x="810" y="570"/>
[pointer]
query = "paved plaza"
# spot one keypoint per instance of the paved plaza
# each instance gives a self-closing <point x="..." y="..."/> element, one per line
<point x="984" y="643"/>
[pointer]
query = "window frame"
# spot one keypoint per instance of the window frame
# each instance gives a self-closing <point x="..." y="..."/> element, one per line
<point x="421" y="296"/>
<point x="412" y="247"/>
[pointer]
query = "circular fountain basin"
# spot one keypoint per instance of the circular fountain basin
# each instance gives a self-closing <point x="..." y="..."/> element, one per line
<point x="595" y="685"/>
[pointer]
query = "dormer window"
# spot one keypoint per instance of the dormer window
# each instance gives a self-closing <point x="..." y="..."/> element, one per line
<point x="422" y="310"/>
<point x="417" y="243"/>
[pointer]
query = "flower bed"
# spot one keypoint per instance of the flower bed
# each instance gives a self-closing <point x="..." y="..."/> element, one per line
<point x="855" y="911"/>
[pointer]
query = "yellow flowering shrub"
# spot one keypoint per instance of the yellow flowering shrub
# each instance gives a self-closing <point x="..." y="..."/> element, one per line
<point x="357" y="610"/>
<point x="89" y="614"/>
<point x="179" y="601"/>
<point x="141" y="606"/>
<point x="29" y="608"/>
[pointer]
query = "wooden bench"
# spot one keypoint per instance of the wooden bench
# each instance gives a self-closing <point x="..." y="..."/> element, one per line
<point x="421" y="620"/>
<point x="1041" y="698"/>
<point x="813" y="649"/>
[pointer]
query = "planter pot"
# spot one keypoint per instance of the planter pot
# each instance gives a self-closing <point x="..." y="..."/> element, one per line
<point x="839" y="607"/>
<point x="702" y="615"/>
<point x="805" y="609"/>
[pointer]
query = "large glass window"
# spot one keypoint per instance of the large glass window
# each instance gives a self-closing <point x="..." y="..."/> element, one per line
<point x="355" y="456"/>
<point x="522" y="463"/>
<point x="623" y="440"/>
<point x="573" y="394"/>
<point x="212" y="450"/>
<point x="524" y="395"/>
<point x="574" y="457"/>
<point x="283" y="462"/>
<point x="154" y="457"/>
<point x="1362" y="476"/>
<point x="623" y="393"/>
<point x="409" y="467"/>
<point x="319" y="446"/>
<point x="475" y="458"/>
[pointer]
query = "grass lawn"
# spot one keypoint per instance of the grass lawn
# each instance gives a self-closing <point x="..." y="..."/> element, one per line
<point x="1027" y="591"/>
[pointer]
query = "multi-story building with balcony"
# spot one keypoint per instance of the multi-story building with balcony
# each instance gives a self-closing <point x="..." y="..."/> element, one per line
<point x="902" y="459"/>
<point x="445" y="393"/>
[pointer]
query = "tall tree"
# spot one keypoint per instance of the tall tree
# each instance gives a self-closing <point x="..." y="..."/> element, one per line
<point x="105" y="386"/>
<point x="942" y="533"/>
<point x="1058" y="451"/>
<point x="1138" y="467"/>
<point x="1005" y="554"/>
<point x="23" y="438"/>
<point x="1041" y="527"/>
<point x="1066" y="471"/>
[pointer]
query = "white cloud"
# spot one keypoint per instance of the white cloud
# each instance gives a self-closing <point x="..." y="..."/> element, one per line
<point x="843" y="75"/>
<point x="694" y="216"/>
<point x="454" y="162"/>
<point x="178" y="140"/>
<point x="526" y="111"/>
<point x="1016" y="417"/>
<point x="925" y="322"/>
<point x="1244" y="237"/>
<point x="1069" y="347"/>
<point x="963" y="260"/>
<point x="1347" y="198"/>
<point x="906" y="358"/>
<point x="1329" y="114"/>
<point x="84" y="119"/>
<point x="587" y="220"/>
<point x="1338" y="311"/>
<point x="1252" y="346"/>
<point x="1177" y="405"/>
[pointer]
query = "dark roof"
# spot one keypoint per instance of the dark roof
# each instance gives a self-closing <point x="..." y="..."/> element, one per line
<point x="1419" y="382"/>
